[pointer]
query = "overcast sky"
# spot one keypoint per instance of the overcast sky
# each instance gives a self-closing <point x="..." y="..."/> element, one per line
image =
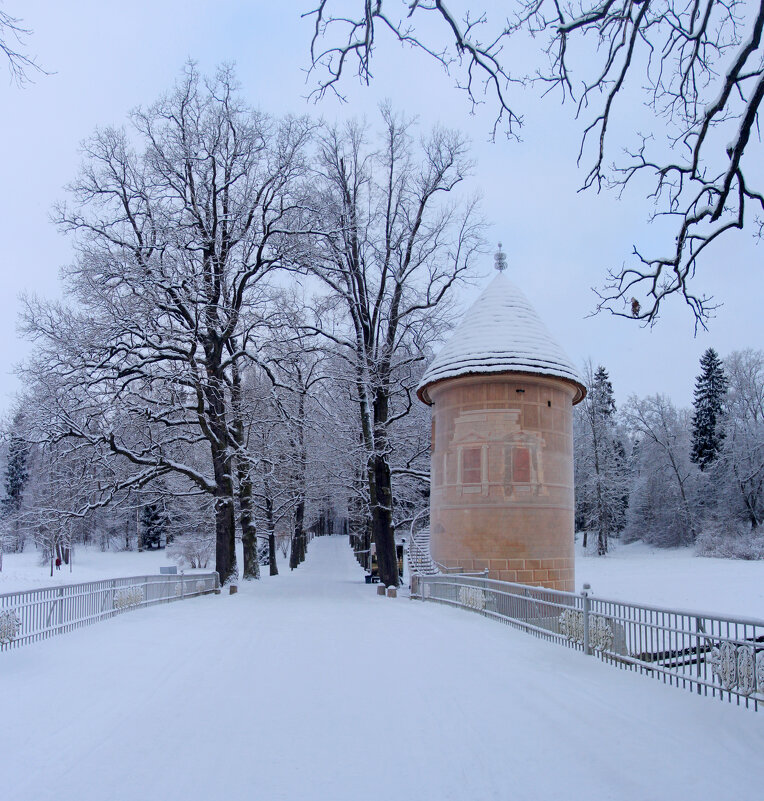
<point x="107" y="58"/>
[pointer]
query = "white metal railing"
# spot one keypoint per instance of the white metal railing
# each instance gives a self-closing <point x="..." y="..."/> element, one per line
<point x="711" y="655"/>
<point x="33" y="615"/>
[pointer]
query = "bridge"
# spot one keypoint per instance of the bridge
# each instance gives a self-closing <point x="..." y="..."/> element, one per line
<point x="310" y="686"/>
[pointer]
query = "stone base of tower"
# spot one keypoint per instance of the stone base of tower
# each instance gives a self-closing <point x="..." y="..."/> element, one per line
<point x="507" y="544"/>
<point x="556" y="574"/>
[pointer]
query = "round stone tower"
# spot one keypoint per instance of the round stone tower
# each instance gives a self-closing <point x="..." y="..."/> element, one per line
<point x="502" y="392"/>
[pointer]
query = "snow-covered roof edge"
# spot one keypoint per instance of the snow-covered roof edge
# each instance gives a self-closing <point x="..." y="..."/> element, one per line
<point x="501" y="333"/>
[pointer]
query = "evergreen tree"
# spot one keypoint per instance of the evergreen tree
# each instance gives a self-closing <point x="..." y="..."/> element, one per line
<point x="602" y="397"/>
<point x="153" y="525"/>
<point x="16" y="474"/>
<point x="709" y="399"/>
<point x="601" y="480"/>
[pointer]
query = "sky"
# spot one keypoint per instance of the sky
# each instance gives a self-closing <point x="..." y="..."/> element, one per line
<point x="104" y="59"/>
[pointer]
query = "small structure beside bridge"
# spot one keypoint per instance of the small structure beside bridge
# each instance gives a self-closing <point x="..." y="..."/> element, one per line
<point x="502" y="392"/>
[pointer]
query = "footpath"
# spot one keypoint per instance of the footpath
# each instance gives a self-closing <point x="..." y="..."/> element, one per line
<point x="308" y="686"/>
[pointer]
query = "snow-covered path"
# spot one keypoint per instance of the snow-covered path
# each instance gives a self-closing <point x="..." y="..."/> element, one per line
<point x="309" y="686"/>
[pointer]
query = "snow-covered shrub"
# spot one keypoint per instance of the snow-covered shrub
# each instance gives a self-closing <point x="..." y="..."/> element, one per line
<point x="729" y="539"/>
<point x="9" y="626"/>
<point x="130" y="596"/>
<point x="193" y="549"/>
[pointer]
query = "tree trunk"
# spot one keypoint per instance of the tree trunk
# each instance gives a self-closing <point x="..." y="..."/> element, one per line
<point x="251" y="566"/>
<point x="749" y="501"/>
<point x="381" y="491"/>
<point x="297" y="555"/>
<point x="273" y="568"/>
<point x="250" y="569"/>
<point x="382" y="520"/>
<point x="225" y="521"/>
<point x="221" y="447"/>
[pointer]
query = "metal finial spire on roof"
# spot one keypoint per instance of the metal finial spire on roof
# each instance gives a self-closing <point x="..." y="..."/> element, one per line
<point x="500" y="260"/>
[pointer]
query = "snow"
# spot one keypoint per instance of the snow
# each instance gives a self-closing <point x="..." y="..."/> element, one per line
<point x="674" y="577"/>
<point x="23" y="571"/>
<point x="501" y="332"/>
<point x="286" y="691"/>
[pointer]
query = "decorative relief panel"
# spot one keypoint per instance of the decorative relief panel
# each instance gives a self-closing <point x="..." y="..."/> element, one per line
<point x="489" y="447"/>
<point x="472" y="597"/>
<point x="9" y="626"/>
<point x="738" y="668"/>
<point x="130" y="596"/>
<point x="601" y="635"/>
<point x="572" y="625"/>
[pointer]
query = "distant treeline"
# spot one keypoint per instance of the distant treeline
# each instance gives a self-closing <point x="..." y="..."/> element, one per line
<point x="669" y="476"/>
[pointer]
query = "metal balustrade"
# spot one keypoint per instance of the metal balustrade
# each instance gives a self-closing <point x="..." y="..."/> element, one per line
<point x="32" y="615"/>
<point x="722" y="657"/>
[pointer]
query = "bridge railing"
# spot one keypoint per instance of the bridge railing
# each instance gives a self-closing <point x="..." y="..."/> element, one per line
<point x="716" y="656"/>
<point x="32" y="615"/>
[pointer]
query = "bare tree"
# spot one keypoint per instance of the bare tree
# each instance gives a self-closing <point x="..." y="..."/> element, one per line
<point x="741" y="469"/>
<point x="60" y="482"/>
<point x="13" y="35"/>
<point x="392" y="248"/>
<point x="294" y="364"/>
<point x="697" y="67"/>
<point x="662" y="502"/>
<point x="175" y="224"/>
<point x="340" y="462"/>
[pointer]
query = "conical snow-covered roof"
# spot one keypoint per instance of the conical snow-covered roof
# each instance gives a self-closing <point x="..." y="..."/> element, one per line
<point x="501" y="333"/>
